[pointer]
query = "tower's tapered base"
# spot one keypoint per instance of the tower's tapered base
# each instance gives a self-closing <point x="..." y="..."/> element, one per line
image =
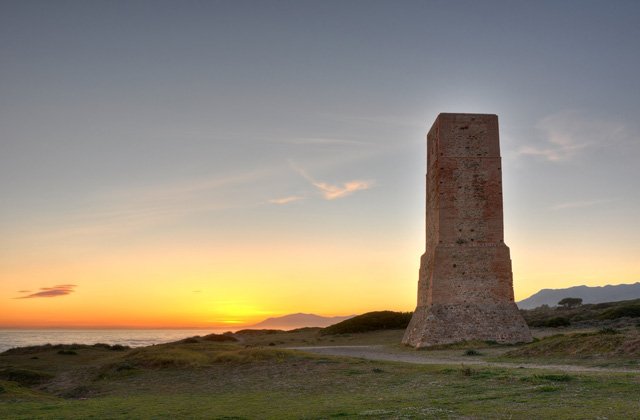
<point x="444" y="324"/>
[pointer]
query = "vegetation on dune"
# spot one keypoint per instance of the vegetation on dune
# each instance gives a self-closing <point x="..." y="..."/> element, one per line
<point x="63" y="348"/>
<point x="178" y="355"/>
<point x="572" y="313"/>
<point x="554" y="322"/>
<point x="631" y="310"/>
<point x="605" y="342"/>
<point x="305" y="329"/>
<point x="220" y="338"/>
<point x="371" y="321"/>
<point x="250" y="331"/>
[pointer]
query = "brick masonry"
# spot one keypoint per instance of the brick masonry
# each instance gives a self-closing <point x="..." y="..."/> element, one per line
<point x="465" y="283"/>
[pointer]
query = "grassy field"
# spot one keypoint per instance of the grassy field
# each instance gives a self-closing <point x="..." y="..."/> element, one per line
<point x="257" y="378"/>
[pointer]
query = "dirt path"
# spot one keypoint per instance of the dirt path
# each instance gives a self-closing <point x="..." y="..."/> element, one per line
<point x="381" y="352"/>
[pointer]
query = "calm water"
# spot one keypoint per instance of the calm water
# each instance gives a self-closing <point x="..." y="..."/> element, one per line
<point x="133" y="338"/>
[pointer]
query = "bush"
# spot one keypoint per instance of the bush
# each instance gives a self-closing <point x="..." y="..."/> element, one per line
<point x="371" y="321"/>
<point x="554" y="377"/>
<point x="119" y="347"/>
<point x="78" y="392"/>
<point x="558" y="321"/>
<point x="555" y="322"/>
<point x="251" y="331"/>
<point x="220" y="338"/>
<point x="24" y="376"/>
<point x="472" y="352"/>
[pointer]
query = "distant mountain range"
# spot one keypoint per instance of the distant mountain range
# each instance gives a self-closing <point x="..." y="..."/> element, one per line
<point x="293" y="321"/>
<point x="597" y="294"/>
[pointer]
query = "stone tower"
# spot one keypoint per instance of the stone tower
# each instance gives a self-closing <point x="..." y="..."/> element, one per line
<point x="465" y="286"/>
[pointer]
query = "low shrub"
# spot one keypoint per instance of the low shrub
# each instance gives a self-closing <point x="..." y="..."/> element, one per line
<point x="79" y="392"/>
<point x="467" y="371"/>
<point x="547" y="388"/>
<point x="250" y="331"/>
<point x="472" y="352"/>
<point x="24" y="376"/>
<point x="119" y="347"/>
<point x="220" y="338"/>
<point x="554" y="377"/>
<point x="555" y="322"/>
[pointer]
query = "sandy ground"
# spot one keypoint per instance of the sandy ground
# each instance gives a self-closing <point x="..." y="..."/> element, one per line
<point x="382" y="352"/>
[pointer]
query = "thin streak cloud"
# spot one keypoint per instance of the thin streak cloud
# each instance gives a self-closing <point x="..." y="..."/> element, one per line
<point x="48" y="292"/>
<point x="578" y="204"/>
<point x="286" y="200"/>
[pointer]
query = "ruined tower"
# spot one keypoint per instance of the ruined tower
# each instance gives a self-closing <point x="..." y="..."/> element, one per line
<point x="465" y="286"/>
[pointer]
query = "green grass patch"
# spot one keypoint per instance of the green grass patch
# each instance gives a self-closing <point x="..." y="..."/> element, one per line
<point x="225" y="380"/>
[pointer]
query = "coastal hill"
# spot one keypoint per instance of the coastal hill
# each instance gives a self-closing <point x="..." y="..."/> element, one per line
<point x="597" y="294"/>
<point x="299" y="320"/>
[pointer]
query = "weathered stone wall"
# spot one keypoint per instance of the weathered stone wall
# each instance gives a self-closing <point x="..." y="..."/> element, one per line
<point x="465" y="286"/>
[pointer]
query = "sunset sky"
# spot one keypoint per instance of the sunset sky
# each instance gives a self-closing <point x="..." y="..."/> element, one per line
<point x="214" y="163"/>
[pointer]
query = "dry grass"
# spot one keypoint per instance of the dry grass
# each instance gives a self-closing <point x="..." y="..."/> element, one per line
<point x="601" y="343"/>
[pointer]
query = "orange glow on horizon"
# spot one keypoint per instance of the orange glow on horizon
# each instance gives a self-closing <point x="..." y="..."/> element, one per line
<point x="234" y="285"/>
<point x="208" y="287"/>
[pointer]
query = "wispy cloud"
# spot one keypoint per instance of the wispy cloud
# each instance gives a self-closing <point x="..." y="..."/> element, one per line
<point x="137" y="208"/>
<point x="286" y="200"/>
<point x="578" y="204"/>
<point x="48" y="292"/>
<point x="330" y="191"/>
<point x="568" y="133"/>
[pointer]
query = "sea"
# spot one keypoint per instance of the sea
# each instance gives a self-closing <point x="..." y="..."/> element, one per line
<point x="10" y="338"/>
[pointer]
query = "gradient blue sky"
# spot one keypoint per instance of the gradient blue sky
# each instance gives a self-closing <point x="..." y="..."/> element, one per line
<point x="288" y="137"/>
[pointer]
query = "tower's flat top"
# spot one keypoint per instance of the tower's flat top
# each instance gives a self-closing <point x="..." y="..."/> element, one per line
<point x="464" y="114"/>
